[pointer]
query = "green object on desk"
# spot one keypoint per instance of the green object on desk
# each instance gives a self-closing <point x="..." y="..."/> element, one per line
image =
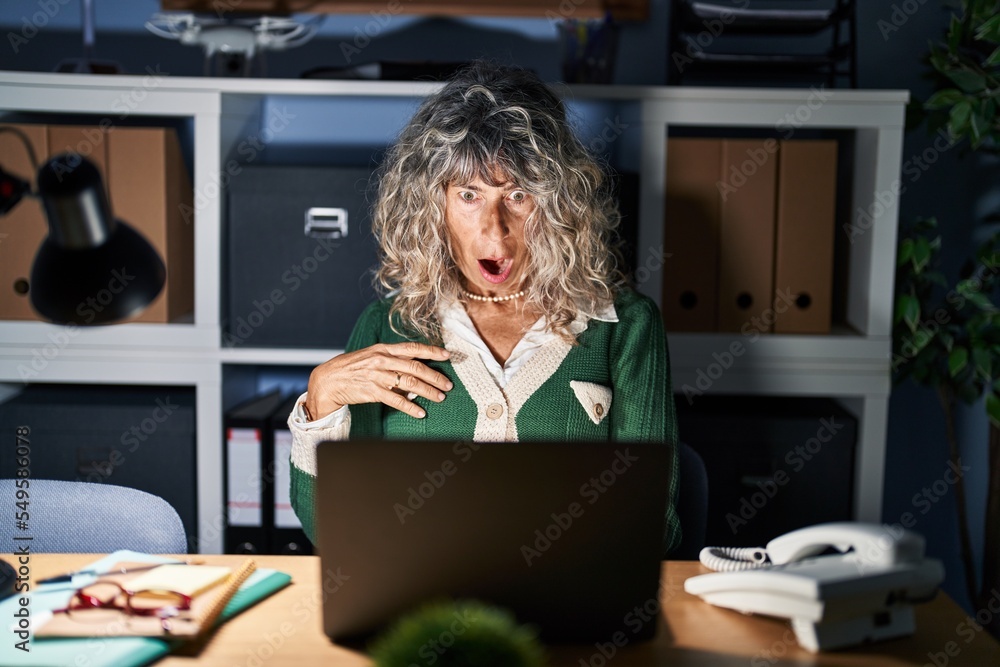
<point x="460" y="633"/>
<point x="116" y="651"/>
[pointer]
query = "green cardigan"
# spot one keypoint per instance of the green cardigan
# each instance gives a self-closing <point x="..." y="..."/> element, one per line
<point x="628" y="359"/>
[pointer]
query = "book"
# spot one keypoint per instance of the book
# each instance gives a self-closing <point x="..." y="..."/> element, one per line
<point x="117" y="651"/>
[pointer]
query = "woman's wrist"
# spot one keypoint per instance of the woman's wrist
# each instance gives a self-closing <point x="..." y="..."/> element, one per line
<point x="315" y="411"/>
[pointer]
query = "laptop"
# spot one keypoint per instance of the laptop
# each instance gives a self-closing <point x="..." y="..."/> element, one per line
<point x="567" y="536"/>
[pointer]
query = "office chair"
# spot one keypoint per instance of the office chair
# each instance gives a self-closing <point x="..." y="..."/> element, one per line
<point x="69" y="517"/>
<point x="692" y="504"/>
<point x="699" y="30"/>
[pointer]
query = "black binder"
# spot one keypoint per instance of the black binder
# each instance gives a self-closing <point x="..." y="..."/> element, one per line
<point x="248" y="492"/>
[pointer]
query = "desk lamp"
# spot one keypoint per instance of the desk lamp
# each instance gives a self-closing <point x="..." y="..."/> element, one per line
<point x="90" y="262"/>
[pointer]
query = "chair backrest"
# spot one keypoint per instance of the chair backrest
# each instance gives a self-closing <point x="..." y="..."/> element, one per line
<point x="67" y="517"/>
<point x="692" y="504"/>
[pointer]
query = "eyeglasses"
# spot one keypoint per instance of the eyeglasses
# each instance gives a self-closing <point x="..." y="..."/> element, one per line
<point x="105" y="601"/>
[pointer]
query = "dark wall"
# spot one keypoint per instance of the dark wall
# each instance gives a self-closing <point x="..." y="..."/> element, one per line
<point x="893" y="37"/>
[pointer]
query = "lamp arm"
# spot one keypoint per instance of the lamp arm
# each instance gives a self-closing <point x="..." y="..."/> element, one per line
<point x="27" y="145"/>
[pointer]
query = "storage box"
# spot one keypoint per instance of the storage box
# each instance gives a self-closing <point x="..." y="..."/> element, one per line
<point x="774" y="464"/>
<point x="148" y="188"/>
<point x="300" y="256"/>
<point x="140" y="437"/>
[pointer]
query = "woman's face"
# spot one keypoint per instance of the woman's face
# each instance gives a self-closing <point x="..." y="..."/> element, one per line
<point x="486" y="227"/>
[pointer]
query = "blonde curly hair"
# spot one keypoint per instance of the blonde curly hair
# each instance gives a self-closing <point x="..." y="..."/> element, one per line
<point x="497" y="123"/>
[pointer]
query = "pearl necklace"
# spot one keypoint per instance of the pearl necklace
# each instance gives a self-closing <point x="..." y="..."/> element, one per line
<point x="494" y="299"/>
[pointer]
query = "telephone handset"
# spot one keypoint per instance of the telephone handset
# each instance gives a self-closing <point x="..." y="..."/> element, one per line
<point x="864" y="592"/>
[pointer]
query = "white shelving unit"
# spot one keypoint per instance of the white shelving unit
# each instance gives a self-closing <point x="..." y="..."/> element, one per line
<point x="852" y="364"/>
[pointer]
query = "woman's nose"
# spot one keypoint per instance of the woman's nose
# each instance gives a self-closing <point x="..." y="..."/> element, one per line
<point x="495" y="225"/>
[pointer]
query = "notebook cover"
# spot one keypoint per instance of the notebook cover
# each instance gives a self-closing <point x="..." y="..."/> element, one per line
<point x="117" y="651"/>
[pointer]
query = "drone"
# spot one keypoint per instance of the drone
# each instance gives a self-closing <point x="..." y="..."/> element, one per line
<point x="236" y="41"/>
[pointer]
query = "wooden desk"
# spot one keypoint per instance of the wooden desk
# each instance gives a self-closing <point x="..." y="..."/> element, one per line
<point x="286" y="629"/>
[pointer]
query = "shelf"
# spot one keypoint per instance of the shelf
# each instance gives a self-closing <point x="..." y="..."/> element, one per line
<point x="852" y="363"/>
<point x="276" y="356"/>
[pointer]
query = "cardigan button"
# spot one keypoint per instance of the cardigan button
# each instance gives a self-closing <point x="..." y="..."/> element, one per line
<point x="495" y="411"/>
<point x="598" y="409"/>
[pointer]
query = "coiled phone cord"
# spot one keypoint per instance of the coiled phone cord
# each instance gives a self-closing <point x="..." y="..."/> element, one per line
<point x="734" y="559"/>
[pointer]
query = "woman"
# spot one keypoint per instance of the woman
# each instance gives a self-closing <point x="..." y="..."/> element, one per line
<point x="495" y="227"/>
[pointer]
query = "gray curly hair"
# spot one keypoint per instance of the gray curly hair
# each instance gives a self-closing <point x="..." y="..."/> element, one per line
<point x="501" y="124"/>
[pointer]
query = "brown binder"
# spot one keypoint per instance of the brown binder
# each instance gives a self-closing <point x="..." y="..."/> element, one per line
<point x="803" y="273"/>
<point x="149" y="188"/>
<point x="691" y="234"/>
<point x="746" y="240"/>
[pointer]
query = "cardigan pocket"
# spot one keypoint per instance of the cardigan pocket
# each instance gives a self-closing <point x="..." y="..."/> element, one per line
<point x="594" y="398"/>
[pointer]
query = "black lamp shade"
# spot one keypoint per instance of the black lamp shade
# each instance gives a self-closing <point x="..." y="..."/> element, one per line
<point x="91" y="269"/>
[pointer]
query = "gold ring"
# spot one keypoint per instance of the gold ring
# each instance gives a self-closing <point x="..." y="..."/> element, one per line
<point x="398" y="378"/>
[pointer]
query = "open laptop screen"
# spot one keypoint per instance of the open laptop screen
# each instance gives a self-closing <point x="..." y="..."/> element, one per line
<point x="568" y="536"/>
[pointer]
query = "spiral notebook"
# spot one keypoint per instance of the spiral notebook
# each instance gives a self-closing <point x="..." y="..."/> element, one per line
<point x="211" y="589"/>
<point x="120" y="651"/>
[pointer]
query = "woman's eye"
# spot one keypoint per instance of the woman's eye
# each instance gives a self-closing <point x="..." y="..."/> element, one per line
<point x="518" y="196"/>
<point x="467" y="196"/>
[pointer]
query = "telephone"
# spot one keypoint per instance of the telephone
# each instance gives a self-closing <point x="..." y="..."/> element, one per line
<point x="865" y="591"/>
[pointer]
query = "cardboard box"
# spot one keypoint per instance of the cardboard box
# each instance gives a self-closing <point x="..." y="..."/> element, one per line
<point x="24" y="228"/>
<point x="147" y="184"/>
<point x="149" y="187"/>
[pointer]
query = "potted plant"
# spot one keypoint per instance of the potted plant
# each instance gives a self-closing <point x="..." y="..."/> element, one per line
<point x="947" y="336"/>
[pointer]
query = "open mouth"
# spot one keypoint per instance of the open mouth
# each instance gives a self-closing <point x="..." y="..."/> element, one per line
<point x="495" y="269"/>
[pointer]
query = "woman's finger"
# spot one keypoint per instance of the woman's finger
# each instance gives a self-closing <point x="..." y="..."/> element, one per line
<point x="400" y="402"/>
<point x="411" y="383"/>
<point x="414" y="350"/>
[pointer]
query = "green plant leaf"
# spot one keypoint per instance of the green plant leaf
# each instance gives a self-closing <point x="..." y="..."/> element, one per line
<point x="993" y="408"/>
<point x="967" y="80"/>
<point x="905" y="252"/>
<point x="982" y="361"/>
<point x="979" y="127"/>
<point x="990" y="30"/>
<point x="980" y="300"/>
<point x="994" y="58"/>
<point x="954" y="33"/>
<point x="936" y="277"/>
<point x="944" y="98"/>
<point x="958" y="118"/>
<point x="908" y="310"/>
<point x="921" y="253"/>
<point x="946" y="339"/>
<point x="958" y="359"/>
